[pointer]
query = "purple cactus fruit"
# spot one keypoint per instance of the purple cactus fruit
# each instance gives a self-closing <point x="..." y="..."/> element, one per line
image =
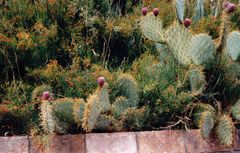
<point x="144" y="11"/>
<point x="187" y="22"/>
<point x="225" y="4"/>
<point x="46" y="95"/>
<point x="230" y="7"/>
<point x="101" y="81"/>
<point x="156" y="11"/>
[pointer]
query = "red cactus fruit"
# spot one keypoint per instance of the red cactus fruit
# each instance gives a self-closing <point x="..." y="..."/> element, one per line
<point x="144" y="11"/>
<point x="156" y="11"/>
<point x="46" y="95"/>
<point x="187" y="22"/>
<point x="230" y="7"/>
<point x="101" y="81"/>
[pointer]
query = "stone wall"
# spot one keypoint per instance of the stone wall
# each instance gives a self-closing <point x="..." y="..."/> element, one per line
<point x="168" y="141"/>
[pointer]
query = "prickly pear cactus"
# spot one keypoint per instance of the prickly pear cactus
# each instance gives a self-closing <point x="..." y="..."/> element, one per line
<point x="233" y="45"/>
<point x="128" y="88"/>
<point x="197" y="80"/>
<point x="134" y="119"/>
<point x="57" y="116"/>
<point x="201" y="49"/>
<point x="120" y="105"/>
<point x="207" y="123"/>
<point x="180" y="8"/>
<point x="92" y="111"/>
<point x="225" y="131"/>
<point x="63" y="113"/>
<point x="63" y="109"/>
<point x="198" y="110"/>
<point x="105" y="123"/>
<point x="78" y="111"/>
<point x="152" y="28"/>
<point x="236" y="110"/>
<point x="46" y="116"/>
<point x="103" y="96"/>
<point x="178" y="38"/>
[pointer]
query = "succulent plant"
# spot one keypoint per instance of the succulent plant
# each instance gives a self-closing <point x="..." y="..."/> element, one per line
<point x="236" y="110"/>
<point x="57" y="116"/>
<point x="225" y="131"/>
<point x="199" y="110"/>
<point x="197" y="55"/>
<point x="185" y="47"/>
<point x="152" y="28"/>
<point x="180" y="7"/>
<point x="46" y="116"/>
<point x="233" y="45"/>
<point x="222" y="125"/>
<point x="207" y="122"/>
<point x="197" y="80"/>
<point x="97" y="103"/>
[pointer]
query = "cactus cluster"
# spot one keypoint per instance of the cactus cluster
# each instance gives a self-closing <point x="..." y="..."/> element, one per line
<point x="199" y="58"/>
<point x="187" y="48"/>
<point x="96" y="113"/>
<point x="212" y="122"/>
<point x="190" y="68"/>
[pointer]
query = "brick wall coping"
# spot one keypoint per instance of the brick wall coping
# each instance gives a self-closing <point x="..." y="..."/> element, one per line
<point x="166" y="141"/>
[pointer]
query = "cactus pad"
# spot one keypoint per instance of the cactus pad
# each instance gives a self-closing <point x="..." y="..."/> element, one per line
<point x="225" y="131"/>
<point x="180" y="8"/>
<point x="233" y="45"/>
<point x="63" y="110"/>
<point x="120" y="105"/>
<point x="198" y="110"/>
<point x="152" y="28"/>
<point x="103" y="97"/>
<point x="236" y="110"/>
<point x="78" y="111"/>
<point x="207" y="123"/>
<point x="178" y="38"/>
<point x="46" y="117"/>
<point x="202" y="49"/>
<point x="128" y="88"/>
<point x="197" y="80"/>
<point x="91" y="113"/>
